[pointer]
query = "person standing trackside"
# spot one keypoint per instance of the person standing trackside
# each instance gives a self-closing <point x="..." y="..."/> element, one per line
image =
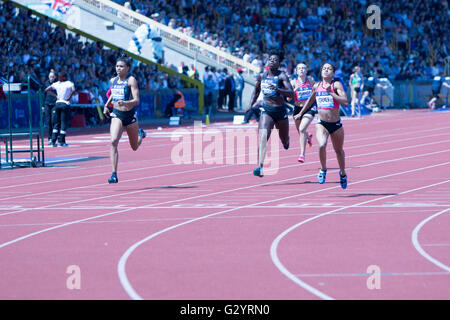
<point x="49" y="104"/>
<point x="209" y="83"/>
<point x="230" y="91"/>
<point x="356" y="83"/>
<point x="221" y="100"/>
<point x="65" y="89"/>
<point x="240" y="84"/>
<point x="436" y="85"/>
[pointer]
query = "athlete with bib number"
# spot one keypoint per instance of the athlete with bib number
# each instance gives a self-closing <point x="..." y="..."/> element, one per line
<point x="275" y="87"/>
<point x="302" y="91"/>
<point x="328" y="95"/>
<point x="124" y="96"/>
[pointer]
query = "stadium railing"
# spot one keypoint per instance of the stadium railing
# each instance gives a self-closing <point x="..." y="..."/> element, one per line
<point x="177" y="38"/>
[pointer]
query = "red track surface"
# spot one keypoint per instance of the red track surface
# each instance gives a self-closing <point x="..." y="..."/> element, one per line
<point x="199" y="231"/>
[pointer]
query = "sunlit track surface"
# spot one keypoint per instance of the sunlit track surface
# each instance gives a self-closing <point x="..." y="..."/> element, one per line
<point x="214" y="231"/>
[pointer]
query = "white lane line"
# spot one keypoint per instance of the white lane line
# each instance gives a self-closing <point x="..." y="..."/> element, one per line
<point x="121" y="267"/>
<point x="364" y="274"/>
<point x="229" y="157"/>
<point x="371" y="136"/>
<point x="220" y="178"/>
<point x="436" y="245"/>
<point x="58" y="227"/>
<point x="91" y="218"/>
<point x="216" y="178"/>
<point x="275" y="243"/>
<point x="418" y="247"/>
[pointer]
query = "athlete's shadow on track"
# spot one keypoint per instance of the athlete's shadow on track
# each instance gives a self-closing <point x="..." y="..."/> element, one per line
<point x="161" y="187"/>
<point x="291" y="183"/>
<point x="369" y="195"/>
<point x="56" y="162"/>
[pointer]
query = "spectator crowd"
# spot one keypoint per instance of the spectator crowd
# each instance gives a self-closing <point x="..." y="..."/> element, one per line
<point x="33" y="46"/>
<point x="411" y="43"/>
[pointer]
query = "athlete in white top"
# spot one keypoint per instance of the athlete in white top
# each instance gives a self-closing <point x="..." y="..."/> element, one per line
<point x="65" y="89"/>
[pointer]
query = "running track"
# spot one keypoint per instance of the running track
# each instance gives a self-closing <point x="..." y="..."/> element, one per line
<point x="199" y="231"/>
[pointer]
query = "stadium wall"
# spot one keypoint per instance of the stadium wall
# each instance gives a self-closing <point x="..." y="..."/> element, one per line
<point x="152" y="106"/>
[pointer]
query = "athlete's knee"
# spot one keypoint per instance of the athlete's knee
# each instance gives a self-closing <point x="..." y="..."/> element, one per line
<point x="303" y="130"/>
<point x="340" y="152"/>
<point x="322" y="145"/>
<point x="115" y="142"/>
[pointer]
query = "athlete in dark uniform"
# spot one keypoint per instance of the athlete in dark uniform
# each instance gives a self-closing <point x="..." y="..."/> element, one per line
<point x="124" y="97"/>
<point x="275" y="86"/>
<point x="49" y="104"/>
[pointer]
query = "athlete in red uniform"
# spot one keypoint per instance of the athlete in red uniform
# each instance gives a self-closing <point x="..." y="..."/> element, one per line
<point x="328" y="95"/>
<point x="302" y="91"/>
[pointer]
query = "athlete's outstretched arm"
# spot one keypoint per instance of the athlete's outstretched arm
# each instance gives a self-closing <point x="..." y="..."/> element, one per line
<point x="308" y="103"/>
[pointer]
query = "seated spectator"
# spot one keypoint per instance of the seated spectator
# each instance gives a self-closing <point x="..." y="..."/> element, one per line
<point x="246" y="29"/>
<point x="36" y="46"/>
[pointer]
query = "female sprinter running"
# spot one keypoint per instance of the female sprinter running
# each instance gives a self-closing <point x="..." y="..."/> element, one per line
<point x="303" y="89"/>
<point x="274" y="85"/>
<point x="328" y="95"/>
<point x="124" y="97"/>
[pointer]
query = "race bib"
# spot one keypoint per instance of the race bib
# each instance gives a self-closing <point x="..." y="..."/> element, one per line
<point x="303" y="93"/>
<point x="324" y="100"/>
<point x="267" y="92"/>
<point x="118" y="94"/>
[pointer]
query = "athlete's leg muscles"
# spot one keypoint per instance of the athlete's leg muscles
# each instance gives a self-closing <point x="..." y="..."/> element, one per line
<point x="337" y="138"/>
<point x="322" y="139"/>
<point x="116" y="130"/>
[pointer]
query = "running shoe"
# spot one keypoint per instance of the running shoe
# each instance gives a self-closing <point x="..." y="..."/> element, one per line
<point x="343" y="180"/>
<point x="322" y="176"/>
<point x="142" y="133"/>
<point x="258" y="172"/>
<point x="301" y="159"/>
<point x="309" y="140"/>
<point x="113" y="178"/>
<point x="63" y="144"/>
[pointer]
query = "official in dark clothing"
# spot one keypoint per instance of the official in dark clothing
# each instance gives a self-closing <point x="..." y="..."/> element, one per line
<point x="49" y="104"/>
<point x="230" y="91"/>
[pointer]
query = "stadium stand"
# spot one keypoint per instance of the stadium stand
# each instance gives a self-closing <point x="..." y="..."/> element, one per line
<point x="34" y="46"/>
<point x="413" y="44"/>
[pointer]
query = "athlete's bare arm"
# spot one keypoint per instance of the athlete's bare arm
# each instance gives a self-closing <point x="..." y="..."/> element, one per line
<point x="308" y="103"/>
<point x="256" y="92"/>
